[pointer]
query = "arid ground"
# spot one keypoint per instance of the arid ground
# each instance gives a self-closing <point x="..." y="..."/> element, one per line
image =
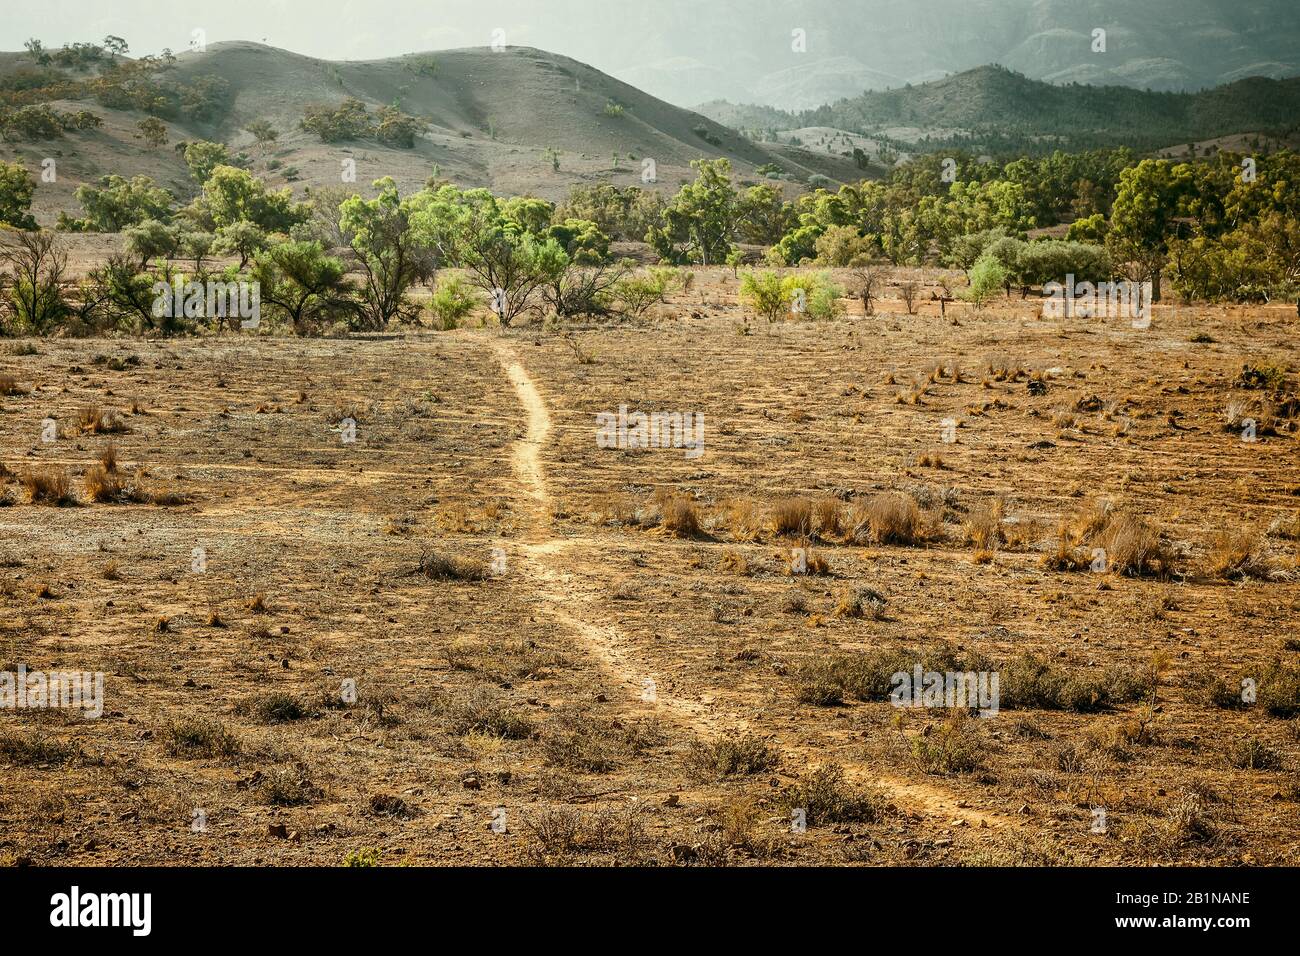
<point x="567" y="654"/>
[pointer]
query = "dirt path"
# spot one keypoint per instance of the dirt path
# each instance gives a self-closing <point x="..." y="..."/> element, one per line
<point x="555" y="574"/>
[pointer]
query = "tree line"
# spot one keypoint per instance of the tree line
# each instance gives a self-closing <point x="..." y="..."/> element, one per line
<point x="1225" y="227"/>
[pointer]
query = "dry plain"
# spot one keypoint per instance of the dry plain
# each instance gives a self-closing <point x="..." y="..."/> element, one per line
<point x="566" y="654"/>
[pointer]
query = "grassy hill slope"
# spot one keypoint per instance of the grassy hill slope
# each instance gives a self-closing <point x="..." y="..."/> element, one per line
<point x="492" y="118"/>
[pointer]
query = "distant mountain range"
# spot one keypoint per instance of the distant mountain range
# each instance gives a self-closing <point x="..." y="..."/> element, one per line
<point x="742" y="50"/>
<point x="994" y="103"/>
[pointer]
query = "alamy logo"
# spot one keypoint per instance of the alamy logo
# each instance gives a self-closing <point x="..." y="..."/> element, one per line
<point x="1099" y="300"/>
<point x="967" y="690"/>
<point x="103" y="909"/>
<point x="68" y="690"/>
<point x="653" y="430"/>
<point x="211" y="299"/>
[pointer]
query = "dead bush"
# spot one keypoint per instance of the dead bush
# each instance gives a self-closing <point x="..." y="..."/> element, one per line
<point x="792" y="517"/>
<point x="450" y="567"/>
<point x="680" y="516"/>
<point x="95" y="421"/>
<point x="954" y="747"/>
<point x="198" y="737"/>
<point x="891" y="518"/>
<point x="48" y="486"/>
<point x="732" y="757"/>
<point x="1241" y="554"/>
<point x="984" y="527"/>
<point x="824" y="798"/>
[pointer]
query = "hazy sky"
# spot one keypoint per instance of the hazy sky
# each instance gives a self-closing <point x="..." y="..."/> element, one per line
<point x="333" y="29"/>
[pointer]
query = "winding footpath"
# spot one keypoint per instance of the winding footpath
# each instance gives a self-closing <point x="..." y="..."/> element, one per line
<point x="544" y="563"/>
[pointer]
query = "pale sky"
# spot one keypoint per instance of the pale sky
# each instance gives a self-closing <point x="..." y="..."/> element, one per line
<point x="332" y="29"/>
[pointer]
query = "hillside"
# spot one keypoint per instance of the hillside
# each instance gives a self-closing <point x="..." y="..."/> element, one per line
<point x="997" y="103"/>
<point x="492" y="117"/>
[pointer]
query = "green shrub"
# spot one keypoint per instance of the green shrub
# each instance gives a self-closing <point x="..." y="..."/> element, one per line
<point x="842" y="246"/>
<point x="636" y="294"/>
<point x="987" y="277"/>
<point x="813" y="294"/>
<point x="366" y="856"/>
<point x="762" y="293"/>
<point x="452" y="301"/>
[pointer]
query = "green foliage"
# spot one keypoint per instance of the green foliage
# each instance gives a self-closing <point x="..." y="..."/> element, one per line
<point x="1244" y="244"/>
<point x="303" y="285"/>
<point x="243" y="239"/>
<point x="581" y="240"/>
<point x="764" y="216"/>
<point x="203" y="158"/>
<point x="116" y="203"/>
<point x="123" y="296"/>
<point x="1051" y="260"/>
<point x="1142" y="219"/>
<point x="262" y="131"/>
<point x="205" y="99"/>
<point x="700" y="223"/>
<point x="236" y="195"/>
<point x="797" y="246"/>
<point x="33" y="292"/>
<point x="349" y="121"/>
<point x="813" y="294"/>
<point x="841" y="246"/>
<point x="528" y="213"/>
<point x="395" y="128"/>
<point x="762" y="293"/>
<point x="964" y="250"/>
<point x="33" y="124"/>
<point x="77" y="56"/>
<point x="390" y="256"/>
<point x="153" y="131"/>
<point x="987" y="276"/>
<point x="637" y="294"/>
<point x="151" y="239"/>
<point x="1091" y="229"/>
<point x="468" y="230"/>
<point x="620" y="213"/>
<point x="452" y="301"/>
<point x="36" y="50"/>
<point x="196" y="246"/>
<point x="16" y="189"/>
<point x="1254" y="263"/>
